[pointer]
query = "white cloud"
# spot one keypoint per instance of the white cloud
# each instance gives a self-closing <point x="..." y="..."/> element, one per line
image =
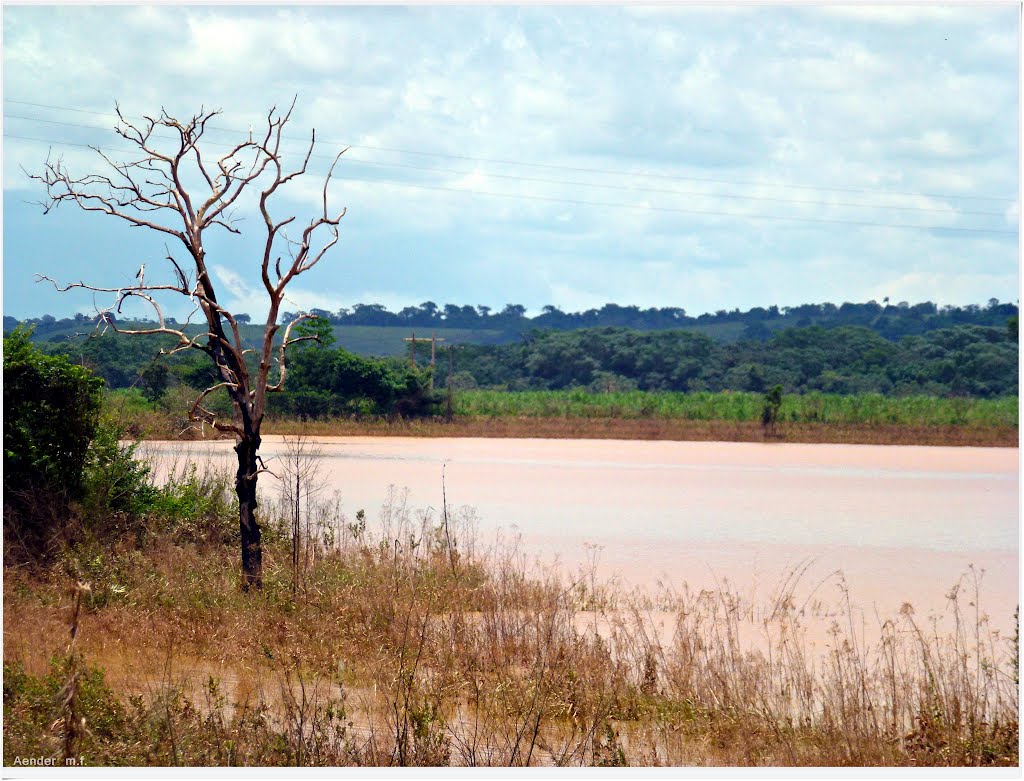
<point x="937" y="143"/>
<point x="894" y="14"/>
<point x="915" y="99"/>
<point x="943" y="287"/>
<point x="239" y="295"/>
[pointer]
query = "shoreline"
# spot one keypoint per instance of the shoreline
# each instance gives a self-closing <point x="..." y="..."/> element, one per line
<point x="655" y="430"/>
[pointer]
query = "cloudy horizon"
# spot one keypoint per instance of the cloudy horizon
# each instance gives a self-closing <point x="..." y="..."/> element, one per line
<point x="699" y="157"/>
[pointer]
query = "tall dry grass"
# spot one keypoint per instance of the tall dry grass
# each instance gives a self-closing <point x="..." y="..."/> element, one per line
<point x="412" y="641"/>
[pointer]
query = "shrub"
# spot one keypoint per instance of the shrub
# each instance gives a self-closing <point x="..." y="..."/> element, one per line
<point x="51" y="410"/>
<point x="33" y="706"/>
<point x="117" y="488"/>
<point x="770" y="410"/>
<point x="324" y="382"/>
<point x="51" y="413"/>
<point x="197" y="507"/>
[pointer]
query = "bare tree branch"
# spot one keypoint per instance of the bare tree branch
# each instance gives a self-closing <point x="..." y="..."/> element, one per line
<point x="157" y="190"/>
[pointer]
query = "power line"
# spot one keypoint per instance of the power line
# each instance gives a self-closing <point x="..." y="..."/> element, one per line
<point x="631" y="188"/>
<point x="699" y="193"/>
<point x="550" y="166"/>
<point x="642" y="207"/>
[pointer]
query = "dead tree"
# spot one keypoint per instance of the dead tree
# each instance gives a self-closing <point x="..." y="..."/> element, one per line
<point x="173" y="187"/>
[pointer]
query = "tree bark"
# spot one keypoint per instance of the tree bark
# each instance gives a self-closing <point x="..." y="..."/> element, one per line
<point x="245" y="488"/>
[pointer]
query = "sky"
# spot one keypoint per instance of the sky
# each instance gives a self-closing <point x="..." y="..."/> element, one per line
<point x="687" y="156"/>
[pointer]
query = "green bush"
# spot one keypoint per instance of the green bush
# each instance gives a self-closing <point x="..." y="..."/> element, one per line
<point x="197" y="507"/>
<point x="51" y="414"/>
<point x="772" y="405"/>
<point x="328" y="383"/>
<point x="33" y="713"/>
<point x="117" y="488"/>
<point x="65" y="470"/>
<point x="51" y="411"/>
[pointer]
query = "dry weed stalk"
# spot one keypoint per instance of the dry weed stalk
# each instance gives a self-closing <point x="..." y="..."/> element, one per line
<point x="73" y="724"/>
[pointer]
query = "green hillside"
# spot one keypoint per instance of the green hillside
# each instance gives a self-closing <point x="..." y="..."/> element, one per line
<point x="388" y="340"/>
<point x="359" y="339"/>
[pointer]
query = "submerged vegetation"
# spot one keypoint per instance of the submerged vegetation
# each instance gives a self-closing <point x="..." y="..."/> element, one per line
<point x="405" y="641"/>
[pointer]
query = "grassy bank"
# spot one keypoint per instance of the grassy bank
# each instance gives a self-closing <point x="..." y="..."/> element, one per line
<point x="405" y="641"/>
<point x="673" y="430"/>
<point x="867" y="409"/>
<point x="728" y="417"/>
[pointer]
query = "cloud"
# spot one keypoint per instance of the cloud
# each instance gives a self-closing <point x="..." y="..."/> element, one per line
<point x="943" y="287"/>
<point x="574" y="119"/>
<point x="239" y="295"/>
<point x="893" y="14"/>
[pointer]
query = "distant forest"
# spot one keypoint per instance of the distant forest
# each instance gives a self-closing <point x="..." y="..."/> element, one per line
<point x="853" y="348"/>
<point x="966" y="360"/>
<point x="891" y="321"/>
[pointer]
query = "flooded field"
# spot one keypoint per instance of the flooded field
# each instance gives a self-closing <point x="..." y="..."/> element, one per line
<point x="889" y="524"/>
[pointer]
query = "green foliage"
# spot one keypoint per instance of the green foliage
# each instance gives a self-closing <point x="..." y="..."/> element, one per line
<point x="771" y="407"/>
<point x="66" y="473"/>
<point x="324" y="382"/>
<point x="51" y="410"/>
<point x="51" y="413"/>
<point x="167" y="728"/>
<point x="901" y="351"/>
<point x="814" y="407"/>
<point x="196" y="506"/>
<point x="610" y="382"/>
<point x="370" y="329"/>
<point x="58" y="450"/>
<point x="155" y="378"/>
<point x="318" y="329"/>
<point x="32" y="713"/>
<point x="116" y="483"/>
<point x="971" y="360"/>
<point x="461" y="381"/>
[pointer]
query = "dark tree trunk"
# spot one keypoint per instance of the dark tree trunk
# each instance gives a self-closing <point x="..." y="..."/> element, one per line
<point x="245" y="489"/>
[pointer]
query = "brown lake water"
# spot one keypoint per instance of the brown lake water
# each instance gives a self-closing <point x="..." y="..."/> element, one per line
<point x="902" y="524"/>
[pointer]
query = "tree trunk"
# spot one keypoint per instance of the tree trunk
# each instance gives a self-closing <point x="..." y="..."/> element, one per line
<point x="245" y="489"/>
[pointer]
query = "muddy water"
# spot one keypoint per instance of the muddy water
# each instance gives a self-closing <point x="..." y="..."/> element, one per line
<point x="901" y="524"/>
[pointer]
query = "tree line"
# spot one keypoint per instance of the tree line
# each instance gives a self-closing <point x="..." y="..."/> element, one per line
<point x="893" y="321"/>
<point x="966" y="360"/>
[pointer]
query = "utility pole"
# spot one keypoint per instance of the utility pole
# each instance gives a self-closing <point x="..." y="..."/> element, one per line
<point x="433" y="339"/>
<point x="412" y="349"/>
<point x="451" y="391"/>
